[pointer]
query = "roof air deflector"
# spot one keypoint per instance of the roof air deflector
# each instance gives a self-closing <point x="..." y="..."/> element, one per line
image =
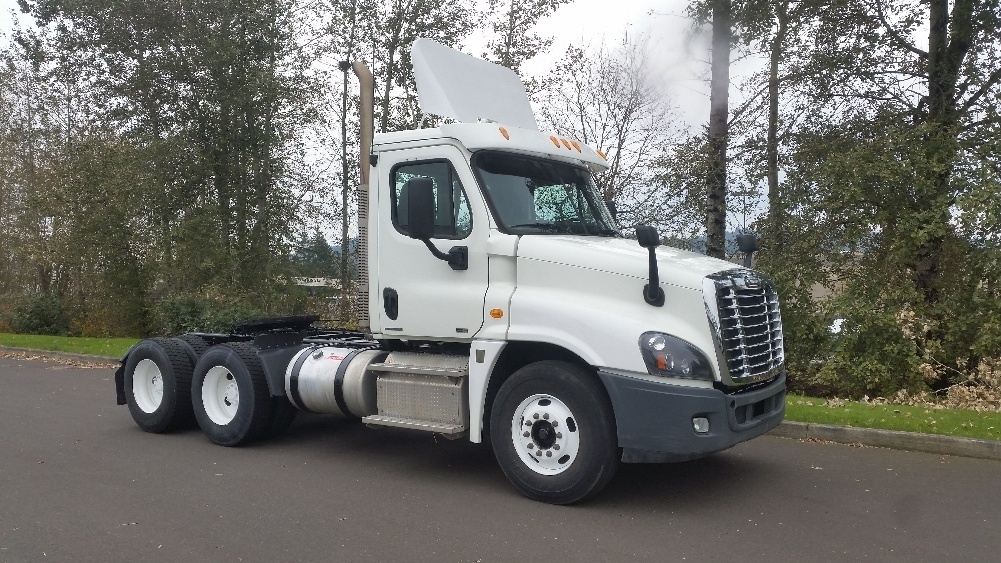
<point x="462" y="87"/>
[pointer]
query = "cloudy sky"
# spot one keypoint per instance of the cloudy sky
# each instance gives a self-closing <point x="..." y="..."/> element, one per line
<point x="678" y="62"/>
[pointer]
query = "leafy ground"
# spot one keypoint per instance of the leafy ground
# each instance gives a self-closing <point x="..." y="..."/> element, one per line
<point x="109" y="347"/>
<point x="930" y="419"/>
<point x="919" y="414"/>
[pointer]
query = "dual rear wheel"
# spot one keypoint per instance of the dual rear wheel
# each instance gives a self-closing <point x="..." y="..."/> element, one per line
<point x="173" y="382"/>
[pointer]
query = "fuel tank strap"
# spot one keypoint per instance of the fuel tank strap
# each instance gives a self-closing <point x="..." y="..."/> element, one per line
<point x="293" y="383"/>
<point x="339" y="382"/>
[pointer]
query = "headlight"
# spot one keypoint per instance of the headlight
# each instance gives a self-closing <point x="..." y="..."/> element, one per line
<point x="673" y="357"/>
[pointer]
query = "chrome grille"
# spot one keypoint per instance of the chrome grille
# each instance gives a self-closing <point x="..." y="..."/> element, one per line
<point x="749" y="327"/>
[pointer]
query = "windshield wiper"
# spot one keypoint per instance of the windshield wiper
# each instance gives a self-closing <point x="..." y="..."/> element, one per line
<point x="540" y="226"/>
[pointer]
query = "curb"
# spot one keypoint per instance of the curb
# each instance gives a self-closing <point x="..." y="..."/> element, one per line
<point x="60" y="355"/>
<point x="893" y="439"/>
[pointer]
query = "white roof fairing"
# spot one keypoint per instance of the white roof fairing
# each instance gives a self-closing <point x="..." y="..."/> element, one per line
<point x="462" y="87"/>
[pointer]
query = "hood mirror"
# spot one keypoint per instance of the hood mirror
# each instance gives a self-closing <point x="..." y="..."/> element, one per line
<point x="748" y="244"/>
<point x="649" y="239"/>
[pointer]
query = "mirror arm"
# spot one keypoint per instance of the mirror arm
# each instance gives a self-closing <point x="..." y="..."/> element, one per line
<point x="653" y="294"/>
<point x="457" y="256"/>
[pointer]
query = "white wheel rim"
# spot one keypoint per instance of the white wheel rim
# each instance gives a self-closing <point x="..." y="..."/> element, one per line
<point x="147" y="386"/>
<point x="545" y="434"/>
<point x="220" y="395"/>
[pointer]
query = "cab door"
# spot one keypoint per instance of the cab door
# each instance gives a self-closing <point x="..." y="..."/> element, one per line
<point x="420" y="296"/>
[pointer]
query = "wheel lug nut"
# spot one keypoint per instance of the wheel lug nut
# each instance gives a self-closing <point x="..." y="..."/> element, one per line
<point x="556" y="446"/>
<point x="530" y="446"/>
<point x="535" y="416"/>
<point x="539" y="453"/>
<point x="556" y="423"/>
<point x="527" y="434"/>
<point x="559" y="435"/>
<point x="549" y="454"/>
<point x="546" y="416"/>
<point x="528" y="423"/>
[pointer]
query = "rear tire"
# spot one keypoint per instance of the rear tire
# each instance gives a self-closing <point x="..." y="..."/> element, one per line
<point x="195" y="346"/>
<point x="158" y="385"/>
<point x="553" y="432"/>
<point x="230" y="396"/>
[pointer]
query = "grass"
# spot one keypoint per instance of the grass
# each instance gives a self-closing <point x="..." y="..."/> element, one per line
<point x="110" y="347"/>
<point x="949" y="422"/>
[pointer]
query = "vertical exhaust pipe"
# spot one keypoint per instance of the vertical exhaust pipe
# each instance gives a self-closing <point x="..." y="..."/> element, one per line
<point x="367" y="116"/>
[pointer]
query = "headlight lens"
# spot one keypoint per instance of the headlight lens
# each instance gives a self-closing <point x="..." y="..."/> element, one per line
<point x="673" y="357"/>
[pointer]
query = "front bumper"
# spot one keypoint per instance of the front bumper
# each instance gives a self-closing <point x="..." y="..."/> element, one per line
<point x="654" y="420"/>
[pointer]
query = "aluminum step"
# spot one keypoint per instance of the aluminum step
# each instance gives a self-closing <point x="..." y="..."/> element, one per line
<point x="412" y="423"/>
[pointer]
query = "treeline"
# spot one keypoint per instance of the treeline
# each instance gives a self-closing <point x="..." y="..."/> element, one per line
<point x="872" y="131"/>
<point x="166" y="165"/>
<point x="159" y="157"/>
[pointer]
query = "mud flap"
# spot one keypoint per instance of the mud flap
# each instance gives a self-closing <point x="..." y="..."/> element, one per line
<point x="120" y="377"/>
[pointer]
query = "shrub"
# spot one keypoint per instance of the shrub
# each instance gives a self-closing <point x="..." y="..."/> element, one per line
<point x="192" y="313"/>
<point x="40" y="314"/>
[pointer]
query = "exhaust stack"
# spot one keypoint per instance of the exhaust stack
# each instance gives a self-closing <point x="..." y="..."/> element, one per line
<point x="367" y="116"/>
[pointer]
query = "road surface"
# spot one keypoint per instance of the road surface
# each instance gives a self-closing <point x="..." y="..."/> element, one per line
<point x="80" y="482"/>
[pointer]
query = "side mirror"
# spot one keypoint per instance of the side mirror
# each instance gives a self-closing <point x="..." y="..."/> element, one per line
<point x="649" y="239"/>
<point x="419" y="195"/>
<point x="647" y="236"/>
<point x="420" y="208"/>
<point x="748" y="244"/>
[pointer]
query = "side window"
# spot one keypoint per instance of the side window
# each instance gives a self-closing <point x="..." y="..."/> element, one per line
<point x="452" y="215"/>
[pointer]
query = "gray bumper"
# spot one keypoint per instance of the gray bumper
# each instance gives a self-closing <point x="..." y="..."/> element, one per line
<point x="654" y="420"/>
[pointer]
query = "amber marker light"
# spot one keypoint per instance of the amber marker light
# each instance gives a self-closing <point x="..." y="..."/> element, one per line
<point x="601" y="154"/>
<point x="575" y="145"/>
<point x="555" y="141"/>
<point x="496" y="313"/>
<point x="505" y="133"/>
<point x="566" y="144"/>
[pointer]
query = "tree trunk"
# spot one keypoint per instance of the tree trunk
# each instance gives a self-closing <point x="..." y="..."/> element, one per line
<point x="949" y="40"/>
<point x="717" y="145"/>
<point x="775" y="205"/>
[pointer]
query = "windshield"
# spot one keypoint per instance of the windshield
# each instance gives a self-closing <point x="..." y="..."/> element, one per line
<point x="535" y="196"/>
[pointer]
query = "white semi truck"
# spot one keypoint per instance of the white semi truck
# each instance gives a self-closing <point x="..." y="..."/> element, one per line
<point x="498" y="302"/>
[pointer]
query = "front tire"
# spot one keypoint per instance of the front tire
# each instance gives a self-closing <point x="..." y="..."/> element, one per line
<point x="158" y="385"/>
<point x="229" y="393"/>
<point x="553" y="432"/>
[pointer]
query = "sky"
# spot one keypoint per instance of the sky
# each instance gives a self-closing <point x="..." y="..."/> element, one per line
<point x="678" y="63"/>
<point x="677" y="67"/>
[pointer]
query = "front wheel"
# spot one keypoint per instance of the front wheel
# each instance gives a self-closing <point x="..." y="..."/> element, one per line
<point x="553" y="432"/>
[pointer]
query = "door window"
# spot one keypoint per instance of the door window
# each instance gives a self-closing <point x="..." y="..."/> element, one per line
<point x="453" y="219"/>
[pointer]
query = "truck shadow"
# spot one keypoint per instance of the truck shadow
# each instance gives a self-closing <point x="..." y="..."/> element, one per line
<point x="443" y="462"/>
<point x="684" y="485"/>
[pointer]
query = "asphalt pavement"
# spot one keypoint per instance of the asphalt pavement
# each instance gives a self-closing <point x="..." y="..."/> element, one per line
<point x="80" y="482"/>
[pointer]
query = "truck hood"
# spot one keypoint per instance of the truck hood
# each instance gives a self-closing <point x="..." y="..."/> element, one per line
<point x="621" y="256"/>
